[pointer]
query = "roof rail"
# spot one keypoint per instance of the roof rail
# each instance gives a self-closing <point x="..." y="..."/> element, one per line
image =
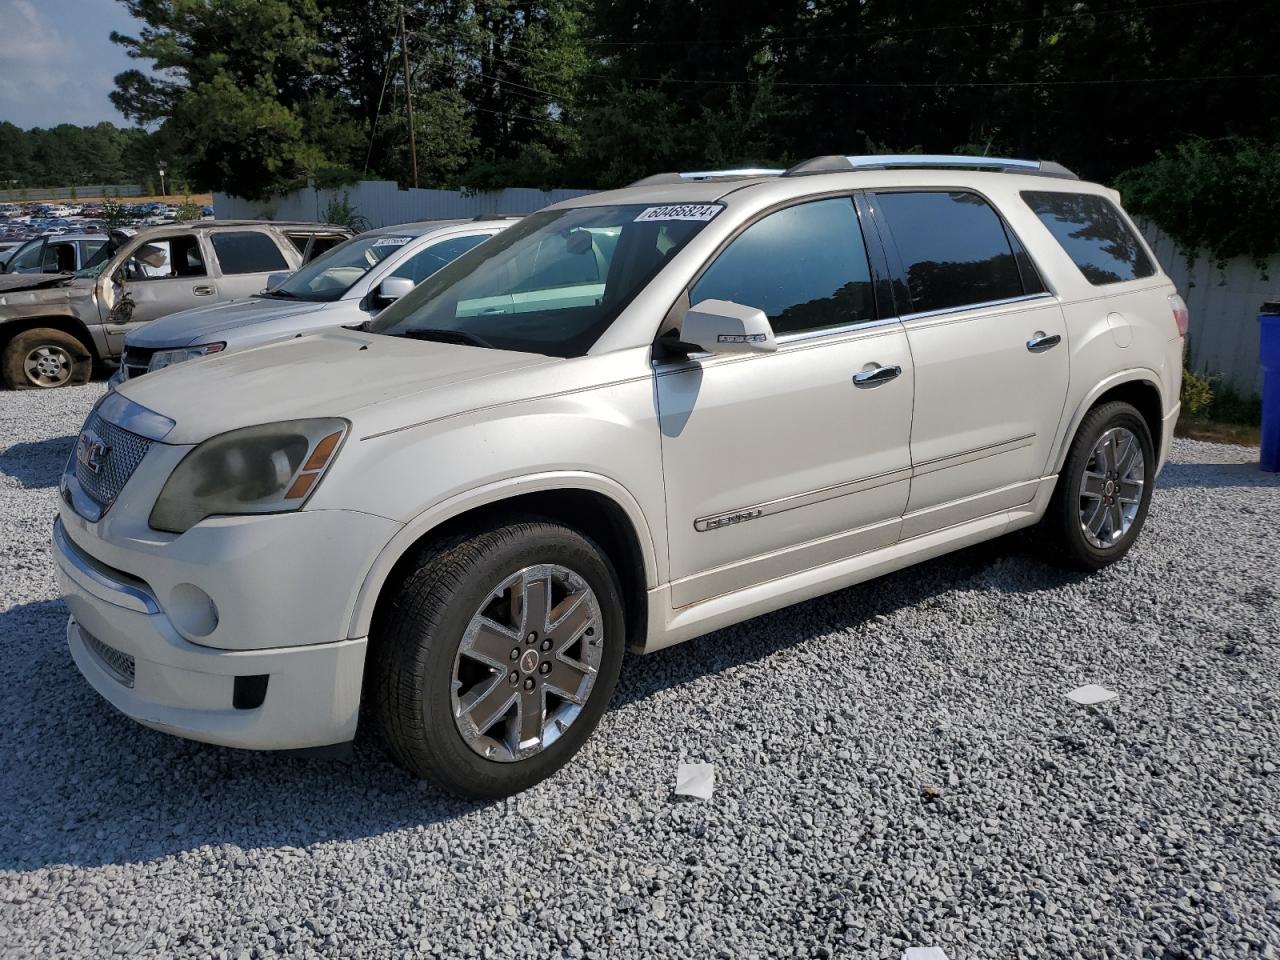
<point x="698" y="175"/>
<point x="900" y="161"/>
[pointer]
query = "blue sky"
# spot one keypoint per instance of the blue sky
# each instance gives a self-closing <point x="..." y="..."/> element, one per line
<point x="57" y="60"/>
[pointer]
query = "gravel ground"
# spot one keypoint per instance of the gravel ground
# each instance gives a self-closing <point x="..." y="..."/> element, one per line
<point x="896" y="765"/>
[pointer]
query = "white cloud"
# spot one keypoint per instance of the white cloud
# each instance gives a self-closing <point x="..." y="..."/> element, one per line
<point x="50" y="75"/>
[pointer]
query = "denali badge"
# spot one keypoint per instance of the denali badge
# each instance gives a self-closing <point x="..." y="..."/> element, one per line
<point x="741" y="338"/>
<point x="726" y="520"/>
<point x="91" y="452"/>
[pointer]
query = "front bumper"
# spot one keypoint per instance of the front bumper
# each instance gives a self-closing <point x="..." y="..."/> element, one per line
<point x="137" y="658"/>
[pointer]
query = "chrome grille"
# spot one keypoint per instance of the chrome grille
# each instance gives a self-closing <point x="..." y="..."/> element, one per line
<point x="116" y="463"/>
<point x="118" y="663"/>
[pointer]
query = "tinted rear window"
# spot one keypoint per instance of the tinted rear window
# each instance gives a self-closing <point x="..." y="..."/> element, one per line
<point x="954" y="249"/>
<point x="1093" y="234"/>
<point x="247" y="253"/>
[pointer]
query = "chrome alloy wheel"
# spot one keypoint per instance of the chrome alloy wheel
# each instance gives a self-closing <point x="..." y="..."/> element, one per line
<point x="48" y="365"/>
<point x="1111" y="488"/>
<point x="527" y="663"/>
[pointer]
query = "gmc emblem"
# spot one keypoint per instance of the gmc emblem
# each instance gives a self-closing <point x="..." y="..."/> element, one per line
<point x="91" y="452"/>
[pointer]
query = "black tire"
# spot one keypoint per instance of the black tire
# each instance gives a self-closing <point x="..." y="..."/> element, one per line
<point x="416" y="636"/>
<point x="1061" y="531"/>
<point x="13" y="364"/>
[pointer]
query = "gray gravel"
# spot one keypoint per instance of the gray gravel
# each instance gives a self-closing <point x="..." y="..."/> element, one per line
<point x="896" y="765"/>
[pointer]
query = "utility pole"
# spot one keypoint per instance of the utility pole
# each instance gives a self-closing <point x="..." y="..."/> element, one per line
<point x="408" y="98"/>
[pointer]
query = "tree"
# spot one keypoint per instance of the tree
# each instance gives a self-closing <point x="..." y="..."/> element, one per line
<point x="239" y="76"/>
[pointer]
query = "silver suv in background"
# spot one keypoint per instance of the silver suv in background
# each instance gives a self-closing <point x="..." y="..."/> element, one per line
<point x="54" y="327"/>
<point x="346" y="286"/>
<point x="58" y="254"/>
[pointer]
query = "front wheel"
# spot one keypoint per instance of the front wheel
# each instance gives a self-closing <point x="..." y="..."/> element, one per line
<point x="44" y="358"/>
<point x="1103" y="492"/>
<point x="496" y="656"/>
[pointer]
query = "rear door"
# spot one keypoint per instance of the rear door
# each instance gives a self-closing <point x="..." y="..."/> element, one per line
<point x="987" y="341"/>
<point x="780" y="462"/>
<point x="245" y="259"/>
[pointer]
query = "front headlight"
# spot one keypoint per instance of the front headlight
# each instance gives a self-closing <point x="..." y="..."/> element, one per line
<point x="271" y="468"/>
<point x="167" y="358"/>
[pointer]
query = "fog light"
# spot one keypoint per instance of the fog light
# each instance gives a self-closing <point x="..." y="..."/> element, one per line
<point x="192" y="610"/>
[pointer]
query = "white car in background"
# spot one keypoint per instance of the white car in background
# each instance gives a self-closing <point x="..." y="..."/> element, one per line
<point x="344" y="287"/>
<point x="631" y="419"/>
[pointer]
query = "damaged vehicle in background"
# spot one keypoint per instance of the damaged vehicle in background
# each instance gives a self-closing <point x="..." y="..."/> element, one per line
<point x="54" y="327"/>
<point x="347" y="286"/>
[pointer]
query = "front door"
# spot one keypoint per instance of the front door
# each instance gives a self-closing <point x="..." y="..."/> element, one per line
<point x="991" y="359"/>
<point x="777" y="463"/>
<point x="246" y="259"/>
<point x="160" y="276"/>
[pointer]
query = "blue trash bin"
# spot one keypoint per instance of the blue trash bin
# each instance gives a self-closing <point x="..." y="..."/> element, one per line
<point x="1269" y="322"/>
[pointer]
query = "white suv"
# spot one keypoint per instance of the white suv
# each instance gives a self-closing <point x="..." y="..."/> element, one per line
<point x="628" y="420"/>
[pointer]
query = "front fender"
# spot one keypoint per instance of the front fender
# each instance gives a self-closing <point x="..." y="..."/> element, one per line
<point x="439" y="513"/>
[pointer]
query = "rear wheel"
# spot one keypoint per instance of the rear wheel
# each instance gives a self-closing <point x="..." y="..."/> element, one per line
<point x="1103" y="492"/>
<point x="497" y="656"/>
<point x="44" y="358"/>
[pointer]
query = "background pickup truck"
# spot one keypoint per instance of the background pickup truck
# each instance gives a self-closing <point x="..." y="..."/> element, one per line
<point x="54" y="327"/>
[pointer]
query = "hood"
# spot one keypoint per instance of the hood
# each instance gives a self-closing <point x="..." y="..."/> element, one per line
<point x="31" y="281"/>
<point x="335" y="373"/>
<point x="48" y="288"/>
<point x="201" y="324"/>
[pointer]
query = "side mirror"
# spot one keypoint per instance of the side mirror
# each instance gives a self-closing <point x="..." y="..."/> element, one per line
<point x="393" y="288"/>
<point x="275" y="279"/>
<point x="722" y="326"/>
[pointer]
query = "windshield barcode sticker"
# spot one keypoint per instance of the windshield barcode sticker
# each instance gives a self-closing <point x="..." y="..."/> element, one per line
<point x="391" y="241"/>
<point x="680" y="211"/>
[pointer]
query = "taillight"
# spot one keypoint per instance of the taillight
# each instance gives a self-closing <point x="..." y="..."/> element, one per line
<point x="1180" y="314"/>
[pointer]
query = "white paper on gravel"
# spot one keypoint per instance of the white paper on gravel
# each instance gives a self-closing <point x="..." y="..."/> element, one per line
<point x="1090" y="694"/>
<point x="696" y="780"/>
<point x="923" y="953"/>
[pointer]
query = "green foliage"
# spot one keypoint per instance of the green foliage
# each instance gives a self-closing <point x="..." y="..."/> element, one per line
<point x="1220" y="196"/>
<point x="187" y="211"/>
<point x="341" y="212"/>
<point x="114" y="213"/>
<point x="67" y="154"/>
<point x="148" y="187"/>
<point x="1197" y="395"/>
<point x="1232" y="406"/>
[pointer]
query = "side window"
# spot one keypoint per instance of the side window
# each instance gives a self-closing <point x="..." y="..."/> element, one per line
<point x="59" y="257"/>
<point x="1093" y="234"/>
<point x="27" y="258"/>
<point x="954" y="249"/>
<point x="324" y="245"/>
<point x="805" y="267"/>
<point x="299" y="241"/>
<point x="88" y="248"/>
<point x="166" y="259"/>
<point x="426" y="262"/>
<point x="248" y="252"/>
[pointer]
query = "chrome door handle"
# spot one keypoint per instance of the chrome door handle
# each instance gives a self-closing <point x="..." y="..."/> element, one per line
<point x="202" y="290"/>
<point x="876" y="376"/>
<point x="1042" y="342"/>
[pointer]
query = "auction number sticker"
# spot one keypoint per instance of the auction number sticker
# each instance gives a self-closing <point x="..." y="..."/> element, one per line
<point x="679" y="211"/>
<point x="391" y="241"/>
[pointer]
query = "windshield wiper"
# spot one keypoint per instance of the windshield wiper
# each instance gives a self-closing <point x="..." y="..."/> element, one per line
<point x="447" y="336"/>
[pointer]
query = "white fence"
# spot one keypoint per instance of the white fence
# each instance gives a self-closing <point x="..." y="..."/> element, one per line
<point x="1224" y="310"/>
<point x="1224" y="303"/>
<point x="383" y="203"/>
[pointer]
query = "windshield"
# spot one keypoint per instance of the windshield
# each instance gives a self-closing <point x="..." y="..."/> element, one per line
<point x="551" y="284"/>
<point x="332" y="274"/>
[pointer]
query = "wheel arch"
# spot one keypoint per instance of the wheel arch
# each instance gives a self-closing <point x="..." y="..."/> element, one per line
<point x="53" y="321"/>
<point x="597" y="506"/>
<point x="1139" y="388"/>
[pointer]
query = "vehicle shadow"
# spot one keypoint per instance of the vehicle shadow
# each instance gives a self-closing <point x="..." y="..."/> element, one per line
<point x="38" y="464"/>
<point x="1009" y="564"/>
<point x="83" y="785"/>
